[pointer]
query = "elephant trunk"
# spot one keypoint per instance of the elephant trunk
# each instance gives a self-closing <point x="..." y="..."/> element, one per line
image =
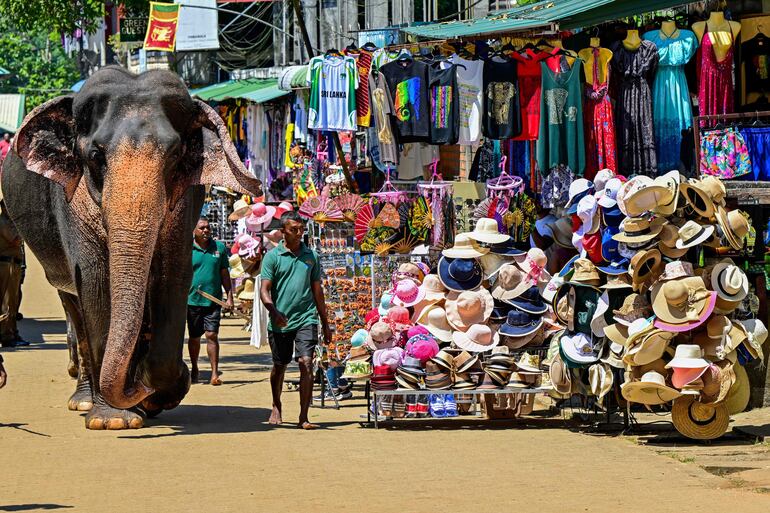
<point x="134" y="204"/>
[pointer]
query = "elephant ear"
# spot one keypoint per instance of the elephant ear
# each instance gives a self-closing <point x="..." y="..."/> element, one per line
<point x="45" y="142"/>
<point x="211" y="158"/>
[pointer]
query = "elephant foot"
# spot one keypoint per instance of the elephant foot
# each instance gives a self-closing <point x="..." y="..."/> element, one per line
<point x="81" y="399"/>
<point x="169" y="398"/>
<point x="104" y="416"/>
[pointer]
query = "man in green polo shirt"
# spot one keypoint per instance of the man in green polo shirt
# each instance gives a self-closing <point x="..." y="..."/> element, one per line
<point x="292" y="294"/>
<point x="211" y="272"/>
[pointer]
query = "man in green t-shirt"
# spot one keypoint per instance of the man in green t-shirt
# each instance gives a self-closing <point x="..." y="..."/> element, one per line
<point x="292" y="294"/>
<point x="211" y="272"/>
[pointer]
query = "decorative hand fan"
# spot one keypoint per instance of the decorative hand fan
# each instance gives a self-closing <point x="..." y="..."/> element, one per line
<point x="374" y="237"/>
<point x="403" y="241"/>
<point x="321" y="209"/>
<point x="489" y="207"/>
<point x="404" y="211"/>
<point x="363" y="219"/>
<point x="388" y="217"/>
<point x="350" y="204"/>
<point x="420" y="219"/>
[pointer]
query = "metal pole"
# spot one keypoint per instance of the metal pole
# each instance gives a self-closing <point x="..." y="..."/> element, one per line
<point x="335" y="137"/>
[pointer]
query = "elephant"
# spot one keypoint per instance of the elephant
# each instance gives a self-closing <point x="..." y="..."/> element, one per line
<point x="105" y="186"/>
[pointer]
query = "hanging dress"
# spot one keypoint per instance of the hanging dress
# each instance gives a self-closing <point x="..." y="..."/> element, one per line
<point x="529" y="72"/>
<point x="633" y="73"/>
<point x="560" y="143"/>
<point x="715" y="79"/>
<point x="599" y="126"/>
<point x="671" y="105"/>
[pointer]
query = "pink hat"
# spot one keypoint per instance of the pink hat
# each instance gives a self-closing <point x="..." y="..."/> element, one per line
<point x="260" y="216"/>
<point x="391" y="357"/>
<point x="283" y="207"/>
<point x="247" y="246"/>
<point x="398" y="318"/>
<point x="407" y="293"/>
<point x="417" y="330"/>
<point x="422" y="347"/>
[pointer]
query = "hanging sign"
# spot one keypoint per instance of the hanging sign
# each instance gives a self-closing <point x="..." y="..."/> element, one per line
<point x="132" y="30"/>
<point x="161" y="29"/>
<point x="198" y="25"/>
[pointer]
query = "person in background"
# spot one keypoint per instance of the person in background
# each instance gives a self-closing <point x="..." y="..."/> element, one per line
<point x="211" y="273"/>
<point x="338" y="386"/>
<point x="292" y="294"/>
<point x="5" y="145"/>
<point x="11" y="260"/>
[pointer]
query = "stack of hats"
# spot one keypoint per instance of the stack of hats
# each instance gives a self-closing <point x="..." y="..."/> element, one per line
<point x="468" y="373"/>
<point x="440" y="371"/>
<point x="358" y="364"/>
<point x="498" y="369"/>
<point x="672" y="331"/>
<point x="528" y="373"/>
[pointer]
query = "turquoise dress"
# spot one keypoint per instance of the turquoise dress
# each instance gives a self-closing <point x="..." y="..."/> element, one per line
<point x="671" y="105"/>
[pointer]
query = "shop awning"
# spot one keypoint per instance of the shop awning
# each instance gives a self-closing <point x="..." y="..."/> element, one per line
<point x="567" y="13"/>
<point x="254" y="90"/>
<point x="11" y="111"/>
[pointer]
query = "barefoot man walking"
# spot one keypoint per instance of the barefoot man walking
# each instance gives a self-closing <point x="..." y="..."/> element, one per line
<point x="291" y="292"/>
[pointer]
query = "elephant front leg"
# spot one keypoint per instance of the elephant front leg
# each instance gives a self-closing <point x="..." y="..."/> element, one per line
<point x="82" y="398"/>
<point x="104" y="416"/>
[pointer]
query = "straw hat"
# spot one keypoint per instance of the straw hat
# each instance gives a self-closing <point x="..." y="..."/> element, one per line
<point x="629" y="188"/>
<point x="756" y="335"/>
<point x="635" y="306"/>
<point x="670" y="180"/>
<point x="669" y="234"/>
<point x="617" y="334"/>
<point x="704" y="195"/>
<point x="240" y="210"/>
<point x="637" y="230"/>
<point x="651" y="347"/>
<point x="738" y="396"/>
<point x="434" y="320"/>
<point x="699" y="421"/>
<point x="682" y="302"/>
<point x="692" y="234"/>
<point x="735" y="226"/>
<point x="647" y="196"/>
<point x="486" y="230"/>
<point x="676" y="269"/>
<point x="645" y="267"/>
<point x="561" y="375"/>
<point x="464" y="247"/>
<point x="651" y="390"/>
<point x="600" y="379"/>
<point x="247" y="294"/>
<point x="534" y="266"/>
<point x="467" y="308"/>
<point x="478" y="338"/>
<point x="729" y="281"/>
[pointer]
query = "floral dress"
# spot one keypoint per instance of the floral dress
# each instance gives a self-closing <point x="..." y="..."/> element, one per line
<point x="599" y="125"/>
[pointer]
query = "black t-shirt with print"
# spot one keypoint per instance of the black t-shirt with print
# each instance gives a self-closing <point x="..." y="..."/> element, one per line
<point x="444" y="103"/>
<point x="756" y="54"/>
<point x="502" y="111"/>
<point x="408" y="83"/>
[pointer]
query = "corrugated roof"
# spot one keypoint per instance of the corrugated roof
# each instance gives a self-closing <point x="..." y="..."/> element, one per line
<point x="525" y="17"/>
<point x="255" y="90"/>
<point x="568" y="13"/>
<point x="11" y="111"/>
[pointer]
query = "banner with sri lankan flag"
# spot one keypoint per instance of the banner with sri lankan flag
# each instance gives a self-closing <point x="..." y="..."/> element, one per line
<point x="161" y="28"/>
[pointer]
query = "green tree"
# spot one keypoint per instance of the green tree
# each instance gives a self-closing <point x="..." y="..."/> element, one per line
<point x="59" y="16"/>
<point x="40" y="69"/>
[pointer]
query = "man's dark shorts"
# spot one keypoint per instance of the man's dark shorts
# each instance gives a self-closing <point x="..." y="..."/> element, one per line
<point x="203" y="318"/>
<point x="300" y="342"/>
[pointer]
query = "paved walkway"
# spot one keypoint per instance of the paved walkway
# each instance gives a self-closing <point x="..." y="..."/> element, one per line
<point x="216" y="452"/>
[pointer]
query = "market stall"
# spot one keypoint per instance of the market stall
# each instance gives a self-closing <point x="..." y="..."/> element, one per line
<point x="544" y="201"/>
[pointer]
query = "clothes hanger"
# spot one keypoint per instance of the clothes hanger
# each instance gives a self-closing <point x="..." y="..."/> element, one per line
<point x="332" y="52"/>
<point x="388" y="192"/>
<point x="369" y="46"/>
<point x="351" y="48"/>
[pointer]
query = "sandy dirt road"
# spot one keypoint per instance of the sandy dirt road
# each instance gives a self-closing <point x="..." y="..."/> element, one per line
<point x="216" y="453"/>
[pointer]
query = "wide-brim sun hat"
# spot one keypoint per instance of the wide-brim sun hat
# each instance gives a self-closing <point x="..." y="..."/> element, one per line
<point x="435" y="321"/>
<point x="240" y="210"/>
<point x="467" y="308"/>
<point x="692" y="234"/>
<point x="699" y="421"/>
<point x="579" y="348"/>
<point x="704" y="195"/>
<point x="734" y="225"/>
<point x="683" y="304"/>
<point x="650" y="390"/>
<point x="672" y="179"/>
<point x="486" y="231"/>
<point x="478" y="339"/>
<point x="647" y="197"/>
<point x="460" y="274"/>
<point x="464" y="247"/>
<point x="637" y="230"/>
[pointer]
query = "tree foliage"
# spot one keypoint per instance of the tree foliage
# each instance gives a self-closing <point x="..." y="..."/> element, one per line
<point x="40" y="69"/>
<point x="59" y="16"/>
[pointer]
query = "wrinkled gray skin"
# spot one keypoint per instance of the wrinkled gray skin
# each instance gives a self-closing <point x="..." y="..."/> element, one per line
<point x="105" y="187"/>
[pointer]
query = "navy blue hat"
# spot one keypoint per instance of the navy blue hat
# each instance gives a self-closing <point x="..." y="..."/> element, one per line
<point x="500" y="311"/>
<point x="530" y="301"/>
<point x="612" y="217"/>
<point x="505" y="248"/>
<point x="617" y="267"/>
<point x="460" y="274"/>
<point x="520" y="323"/>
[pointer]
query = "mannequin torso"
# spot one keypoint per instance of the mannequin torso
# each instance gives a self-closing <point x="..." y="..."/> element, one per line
<point x="721" y="32"/>
<point x="632" y="40"/>
<point x="587" y="55"/>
